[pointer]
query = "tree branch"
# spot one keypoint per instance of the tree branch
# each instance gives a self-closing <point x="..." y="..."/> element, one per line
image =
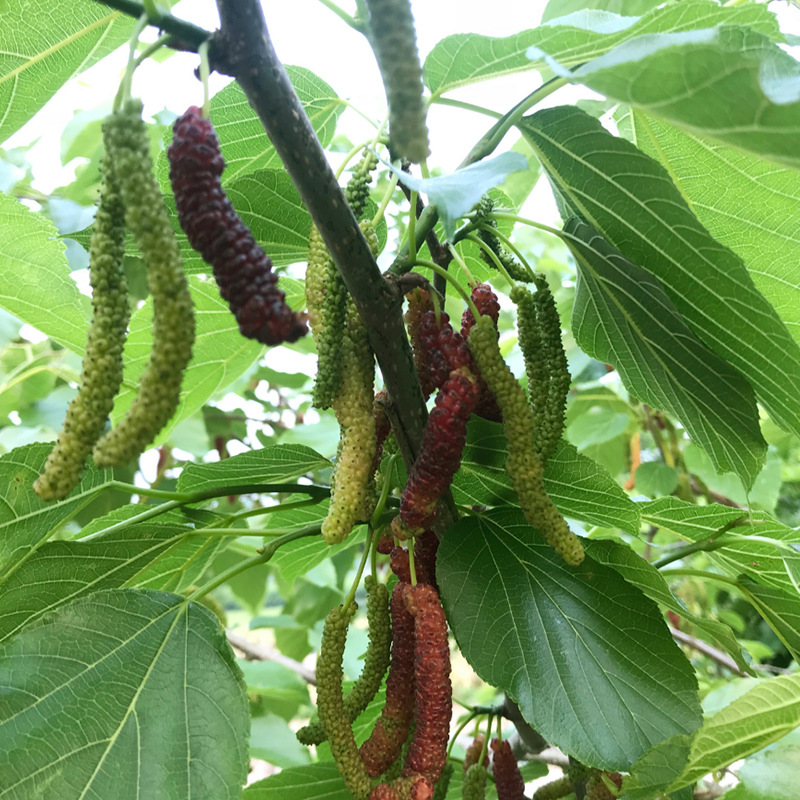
<point x="707" y="650"/>
<point x="242" y="49"/>
<point x="188" y="36"/>
<point x="263" y="652"/>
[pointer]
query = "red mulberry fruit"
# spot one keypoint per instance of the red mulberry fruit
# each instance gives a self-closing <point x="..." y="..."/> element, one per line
<point x="507" y="777"/>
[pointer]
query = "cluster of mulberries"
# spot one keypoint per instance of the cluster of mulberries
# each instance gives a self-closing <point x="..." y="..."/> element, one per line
<point x="507" y="777"/>
<point x="419" y="305"/>
<point x="440" y="453"/>
<point x="242" y="269"/>
<point x="524" y="464"/>
<point x="173" y="311"/>
<point x="376" y="662"/>
<point x="101" y="370"/>
<point x="357" y="190"/>
<point x="391" y="731"/>
<point x="394" y="40"/>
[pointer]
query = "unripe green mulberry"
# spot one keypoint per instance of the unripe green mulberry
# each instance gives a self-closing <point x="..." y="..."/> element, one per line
<point x="173" y="311"/>
<point x="554" y="790"/>
<point x="101" y="372"/>
<point x="375" y="664"/>
<point x="443" y="784"/>
<point x="357" y="190"/>
<point x="596" y="788"/>
<point x="330" y="703"/>
<point x="394" y="41"/>
<point x="352" y="485"/>
<point x="474" y="785"/>
<point x="524" y="464"/>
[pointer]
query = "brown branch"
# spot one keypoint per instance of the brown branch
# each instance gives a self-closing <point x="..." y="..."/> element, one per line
<point x="707" y="650"/>
<point x="242" y="49"/>
<point x="262" y="652"/>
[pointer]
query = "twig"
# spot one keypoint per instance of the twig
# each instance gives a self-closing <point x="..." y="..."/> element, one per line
<point x="243" y="49"/>
<point x="707" y="650"/>
<point x="187" y="36"/>
<point x="263" y="652"/>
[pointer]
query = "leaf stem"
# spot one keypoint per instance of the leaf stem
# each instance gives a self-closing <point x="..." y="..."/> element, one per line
<point x="446" y="101"/>
<point x="699" y="573"/>
<point x="355" y="24"/>
<point x="351" y="595"/>
<point x="708" y="544"/>
<point x="265" y="555"/>
<point x="525" y="221"/>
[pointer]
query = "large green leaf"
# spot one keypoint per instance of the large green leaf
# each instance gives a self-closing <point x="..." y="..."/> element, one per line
<point x="689" y="79"/>
<point x="60" y="572"/>
<point x="586" y="655"/>
<point x="779" y="608"/>
<point x="631" y="201"/>
<point x="743" y="201"/>
<point x="221" y="354"/>
<point x="645" y="577"/>
<point x="42" y="46"/>
<point x="301" y="783"/>
<point x="580" y="487"/>
<point x="280" y="462"/>
<point x="770" y="710"/>
<point x="770" y="774"/>
<point x="623" y="317"/>
<point x="26" y="521"/>
<point x="626" y="8"/>
<point x="757" y="546"/>
<point x="656" y="769"/>
<point x="35" y="282"/>
<point x="124" y="694"/>
<point x="465" y="58"/>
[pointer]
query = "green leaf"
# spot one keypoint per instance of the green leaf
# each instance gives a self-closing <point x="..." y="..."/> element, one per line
<point x="465" y="58"/>
<point x="747" y="209"/>
<point x="779" y="608"/>
<point x="281" y="690"/>
<point x="301" y="783"/>
<point x="769" y="775"/>
<point x="26" y="521"/>
<point x="221" y="354"/>
<point x="645" y="577"/>
<point x="688" y="79"/>
<point x="168" y="704"/>
<point x="622" y="316"/>
<point x="630" y="8"/>
<point x="60" y="572"/>
<point x="43" y="47"/>
<point x="631" y="201"/>
<point x="770" y="710"/>
<point x="281" y="462"/>
<point x="580" y="488"/>
<point x="656" y="479"/>
<point x="35" y="282"/>
<point x="241" y="135"/>
<point x="272" y="740"/>
<point x="656" y="769"/>
<point x="603" y="692"/>
<point x="759" y="546"/>
<point x="455" y="194"/>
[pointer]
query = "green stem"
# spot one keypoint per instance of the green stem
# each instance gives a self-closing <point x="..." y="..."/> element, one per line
<point x="497" y="262"/>
<point x="511" y="246"/>
<point x="343" y="15"/>
<point x="265" y="555"/>
<point x="412" y="223"/>
<point x="162" y="41"/>
<point x="704" y="545"/>
<point x="446" y="101"/>
<point x="412" y="569"/>
<point x="351" y="595"/>
<point x="421" y="262"/>
<point x="384" y="496"/>
<point x="471" y="716"/>
<point x="204" y="76"/>
<point x="387" y="198"/>
<point x="124" y="91"/>
<point x="699" y="573"/>
<point x="525" y="221"/>
<point x="488" y="143"/>
<point x="456" y="256"/>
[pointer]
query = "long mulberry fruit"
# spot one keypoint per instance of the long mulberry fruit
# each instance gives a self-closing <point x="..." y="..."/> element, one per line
<point x="330" y="703"/>
<point x="439" y="455"/>
<point x="434" y="694"/>
<point x="391" y="731"/>
<point x="375" y="662"/>
<point x="419" y="304"/>
<point x="394" y="40"/>
<point x="507" y="777"/>
<point x="554" y="790"/>
<point x="242" y="269"/>
<point x="101" y="371"/>
<point x="173" y="311"/>
<point x="524" y="465"/>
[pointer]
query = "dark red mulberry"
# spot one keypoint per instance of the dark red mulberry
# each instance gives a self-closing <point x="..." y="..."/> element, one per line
<point x="487" y="304"/>
<point x="434" y="693"/>
<point x="440" y="453"/>
<point x="242" y="269"/>
<point x="419" y="304"/>
<point x="507" y="777"/>
<point x="391" y="731"/>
